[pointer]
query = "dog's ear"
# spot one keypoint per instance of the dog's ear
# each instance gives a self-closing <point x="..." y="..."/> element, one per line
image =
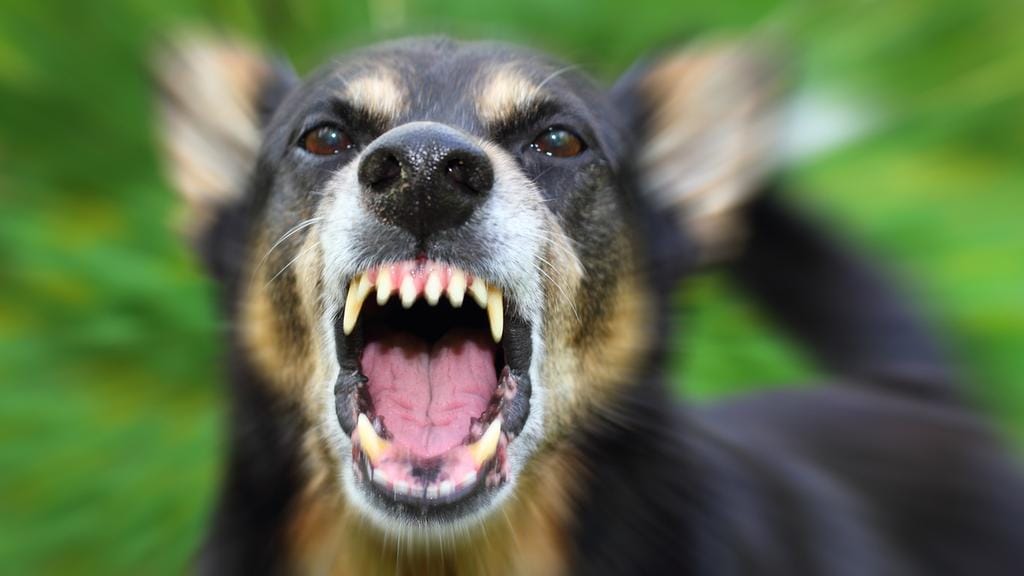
<point x="704" y="123"/>
<point x="214" y="95"/>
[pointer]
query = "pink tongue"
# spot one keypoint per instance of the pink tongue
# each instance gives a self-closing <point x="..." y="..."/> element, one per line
<point x="427" y="396"/>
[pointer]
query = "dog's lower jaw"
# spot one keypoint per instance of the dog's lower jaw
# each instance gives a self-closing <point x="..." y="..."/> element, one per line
<point x="527" y="534"/>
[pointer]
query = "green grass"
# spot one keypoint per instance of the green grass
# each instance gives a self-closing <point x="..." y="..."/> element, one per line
<point x="112" y="418"/>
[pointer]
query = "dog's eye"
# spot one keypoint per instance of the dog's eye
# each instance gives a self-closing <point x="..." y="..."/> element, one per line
<point x="558" y="142"/>
<point x="325" y="140"/>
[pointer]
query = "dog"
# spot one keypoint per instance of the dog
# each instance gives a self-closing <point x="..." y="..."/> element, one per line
<point x="447" y="270"/>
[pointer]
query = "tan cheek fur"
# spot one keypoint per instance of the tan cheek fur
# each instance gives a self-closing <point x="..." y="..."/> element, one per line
<point x="285" y="345"/>
<point x="587" y="365"/>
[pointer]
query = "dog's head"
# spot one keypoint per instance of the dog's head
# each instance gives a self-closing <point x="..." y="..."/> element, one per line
<point x="438" y="251"/>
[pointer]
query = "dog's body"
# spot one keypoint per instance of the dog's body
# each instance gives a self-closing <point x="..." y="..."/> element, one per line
<point x="421" y="156"/>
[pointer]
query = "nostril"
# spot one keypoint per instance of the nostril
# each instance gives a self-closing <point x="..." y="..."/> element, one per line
<point x="388" y="171"/>
<point x="472" y="174"/>
<point x="380" y="170"/>
<point x="457" y="171"/>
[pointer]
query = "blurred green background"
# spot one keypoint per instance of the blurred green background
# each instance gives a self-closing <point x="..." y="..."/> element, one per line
<point x="111" y="418"/>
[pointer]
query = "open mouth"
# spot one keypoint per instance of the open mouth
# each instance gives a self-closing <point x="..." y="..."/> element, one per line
<point x="434" y="383"/>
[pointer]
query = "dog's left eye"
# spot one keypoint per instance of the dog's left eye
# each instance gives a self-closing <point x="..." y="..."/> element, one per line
<point x="325" y="140"/>
<point x="558" y="142"/>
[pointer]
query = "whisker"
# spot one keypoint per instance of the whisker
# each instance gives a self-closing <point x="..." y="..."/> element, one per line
<point x="546" y="238"/>
<point x="284" y="237"/>
<point x="554" y="75"/>
<point x="565" y="295"/>
<point x="290" y="262"/>
<point x="512" y="530"/>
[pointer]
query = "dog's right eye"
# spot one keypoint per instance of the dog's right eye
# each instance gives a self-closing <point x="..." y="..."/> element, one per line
<point x="325" y="140"/>
<point x="558" y="143"/>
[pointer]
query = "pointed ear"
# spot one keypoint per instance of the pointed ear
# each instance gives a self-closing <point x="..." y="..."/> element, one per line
<point x="214" y="96"/>
<point x="704" y="119"/>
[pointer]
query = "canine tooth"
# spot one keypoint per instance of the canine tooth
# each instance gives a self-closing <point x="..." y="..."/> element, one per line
<point x="383" y="287"/>
<point x="495" y="313"/>
<point x="365" y="286"/>
<point x="351" y="311"/>
<point x="446" y="488"/>
<point x="478" y="290"/>
<point x="457" y="288"/>
<point x="380" y="478"/>
<point x="371" y="444"/>
<point x="408" y="292"/>
<point x="358" y="290"/>
<point x="432" y="291"/>
<point x="484" y="448"/>
<point x="469" y="479"/>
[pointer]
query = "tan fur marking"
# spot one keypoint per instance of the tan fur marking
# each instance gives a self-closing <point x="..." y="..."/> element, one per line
<point x="612" y="366"/>
<point x="380" y="93"/>
<point x="505" y="92"/>
<point x="589" y="365"/>
<point x="283" y="347"/>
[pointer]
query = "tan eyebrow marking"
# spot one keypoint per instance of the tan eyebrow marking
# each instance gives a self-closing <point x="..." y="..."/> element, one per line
<point x="380" y="93"/>
<point x="506" y="92"/>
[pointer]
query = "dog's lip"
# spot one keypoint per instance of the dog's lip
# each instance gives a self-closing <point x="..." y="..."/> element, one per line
<point x="424" y="280"/>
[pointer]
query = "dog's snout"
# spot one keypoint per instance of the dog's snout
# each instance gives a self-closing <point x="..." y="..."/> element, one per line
<point x="425" y="177"/>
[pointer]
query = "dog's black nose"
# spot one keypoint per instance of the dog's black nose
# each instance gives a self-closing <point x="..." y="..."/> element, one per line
<point x="425" y="177"/>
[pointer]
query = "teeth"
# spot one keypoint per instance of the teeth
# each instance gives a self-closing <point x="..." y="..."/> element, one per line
<point x="351" y="314"/>
<point x="361" y="286"/>
<point x="408" y="292"/>
<point x="358" y="290"/>
<point x="478" y="290"/>
<point x="371" y="444"/>
<point x="457" y="288"/>
<point x="432" y="291"/>
<point x="495" y="313"/>
<point x="383" y="287"/>
<point x="483" y="449"/>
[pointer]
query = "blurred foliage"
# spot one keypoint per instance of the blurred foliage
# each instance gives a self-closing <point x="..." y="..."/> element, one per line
<point x="111" y="422"/>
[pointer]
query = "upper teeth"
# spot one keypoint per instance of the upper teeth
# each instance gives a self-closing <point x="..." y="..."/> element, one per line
<point x="430" y="282"/>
